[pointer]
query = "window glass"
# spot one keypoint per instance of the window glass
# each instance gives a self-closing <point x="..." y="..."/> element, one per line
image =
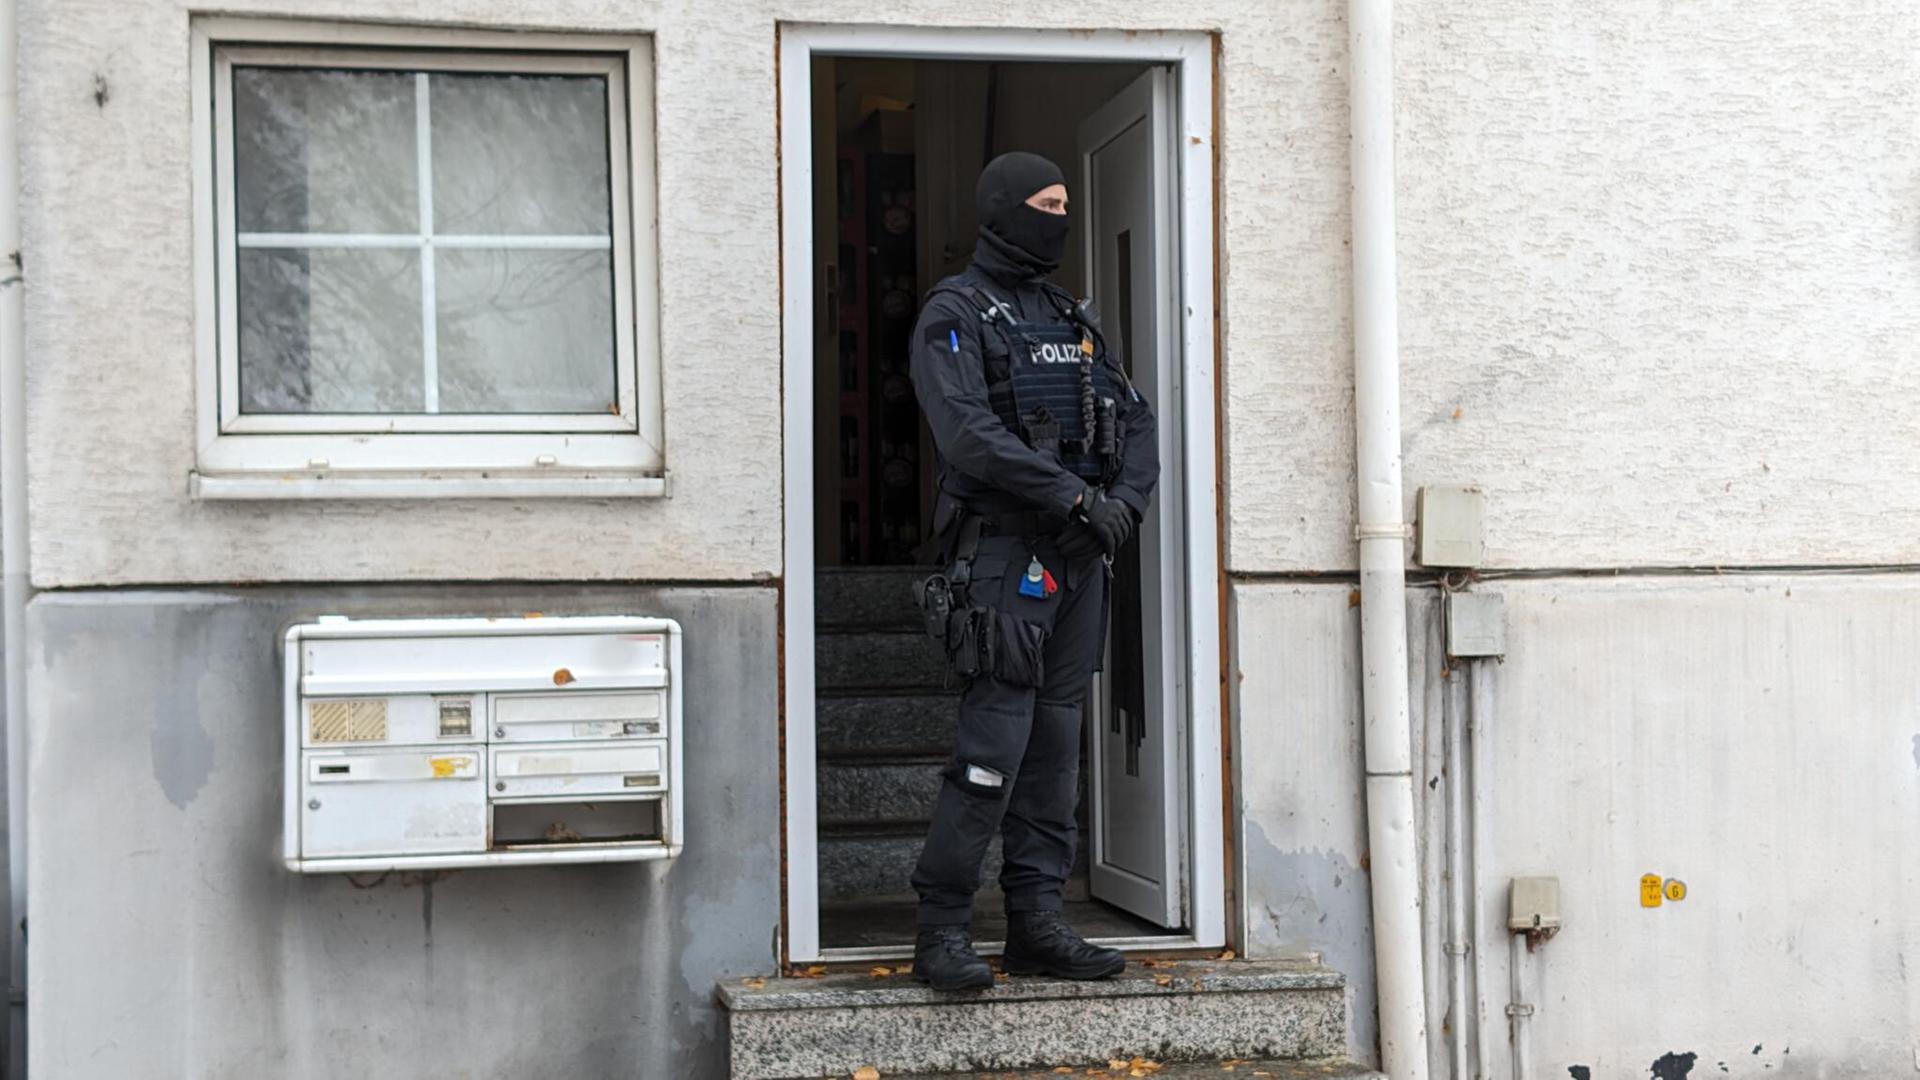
<point x="520" y="154"/>
<point x="526" y="331"/>
<point x="357" y="295"/>
<point x="324" y="151"/>
<point x="330" y="330"/>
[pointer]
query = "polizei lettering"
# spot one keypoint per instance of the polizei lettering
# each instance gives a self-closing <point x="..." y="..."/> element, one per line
<point x="1050" y="352"/>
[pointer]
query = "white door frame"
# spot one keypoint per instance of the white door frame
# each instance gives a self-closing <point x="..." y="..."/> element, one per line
<point x="1190" y="53"/>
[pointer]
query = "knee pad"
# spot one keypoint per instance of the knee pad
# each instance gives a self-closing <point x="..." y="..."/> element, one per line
<point x="979" y="781"/>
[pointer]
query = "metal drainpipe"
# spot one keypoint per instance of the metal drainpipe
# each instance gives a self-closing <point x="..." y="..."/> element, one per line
<point x="1519" y="1011"/>
<point x="1479" y="840"/>
<point x="14" y="581"/>
<point x="1392" y="839"/>
<point x="1459" y="937"/>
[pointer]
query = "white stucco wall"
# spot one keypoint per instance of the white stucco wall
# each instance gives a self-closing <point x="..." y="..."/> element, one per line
<point x="1660" y="282"/>
<point x="1660" y="276"/>
<point x="1757" y="737"/>
<point x="108" y="247"/>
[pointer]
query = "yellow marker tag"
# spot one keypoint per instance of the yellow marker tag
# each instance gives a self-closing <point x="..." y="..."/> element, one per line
<point x="444" y="767"/>
<point x="1086" y="345"/>
<point x="1650" y="891"/>
<point x="1676" y="890"/>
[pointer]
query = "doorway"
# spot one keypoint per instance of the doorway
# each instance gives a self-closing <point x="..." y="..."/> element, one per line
<point x="895" y="125"/>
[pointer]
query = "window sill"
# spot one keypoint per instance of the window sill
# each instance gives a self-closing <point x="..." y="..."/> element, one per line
<point x="277" y="486"/>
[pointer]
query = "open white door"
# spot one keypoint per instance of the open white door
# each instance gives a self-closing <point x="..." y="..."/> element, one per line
<point x="1139" y="705"/>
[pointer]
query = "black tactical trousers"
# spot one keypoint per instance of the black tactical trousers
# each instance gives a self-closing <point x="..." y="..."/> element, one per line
<point x="1015" y="769"/>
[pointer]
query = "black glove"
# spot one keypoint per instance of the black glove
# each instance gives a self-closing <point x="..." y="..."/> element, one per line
<point x="1110" y="520"/>
<point x="1077" y="542"/>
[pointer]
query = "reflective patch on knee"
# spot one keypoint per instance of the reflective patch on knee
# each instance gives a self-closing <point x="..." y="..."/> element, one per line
<point x="979" y="780"/>
<point x="984" y="777"/>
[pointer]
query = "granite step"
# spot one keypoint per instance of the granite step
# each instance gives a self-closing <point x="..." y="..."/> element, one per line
<point x="1185" y="1011"/>
<point x="875" y="862"/>
<point x="878" y="660"/>
<point x="863" y="723"/>
<point x="879" y="790"/>
<point x="1224" y="1069"/>
<point x="891" y="925"/>
<point x="867" y="597"/>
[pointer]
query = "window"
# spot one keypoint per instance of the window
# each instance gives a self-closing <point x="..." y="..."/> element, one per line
<point x="428" y="264"/>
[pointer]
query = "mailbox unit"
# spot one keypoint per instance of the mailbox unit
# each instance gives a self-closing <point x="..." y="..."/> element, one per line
<point x="442" y="743"/>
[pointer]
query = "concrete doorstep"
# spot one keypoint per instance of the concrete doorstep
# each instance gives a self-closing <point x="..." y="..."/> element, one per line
<point x="1229" y="1069"/>
<point x="1201" y="1011"/>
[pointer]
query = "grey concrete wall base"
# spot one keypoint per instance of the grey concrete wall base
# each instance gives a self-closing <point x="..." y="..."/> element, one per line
<point x="1205" y="1011"/>
<point x="168" y="941"/>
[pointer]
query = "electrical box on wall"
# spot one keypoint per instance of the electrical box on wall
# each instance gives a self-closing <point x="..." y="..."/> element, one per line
<point x="1476" y="624"/>
<point x="1450" y="529"/>
<point x="443" y="743"/>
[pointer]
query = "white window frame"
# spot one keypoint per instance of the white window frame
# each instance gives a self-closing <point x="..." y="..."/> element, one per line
<point x="251" y="456"/>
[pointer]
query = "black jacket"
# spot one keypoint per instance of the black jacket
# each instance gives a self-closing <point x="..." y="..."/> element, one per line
<point x="989" y="467"/>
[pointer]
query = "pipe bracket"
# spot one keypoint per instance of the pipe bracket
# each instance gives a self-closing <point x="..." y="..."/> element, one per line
<point x="1395" y="530"/>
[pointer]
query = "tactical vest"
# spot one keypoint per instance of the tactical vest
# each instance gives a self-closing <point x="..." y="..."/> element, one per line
<point x="1055" y="386"/>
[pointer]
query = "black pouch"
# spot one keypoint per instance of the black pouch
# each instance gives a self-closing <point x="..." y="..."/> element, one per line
<point x="970" y="641"/>
<point x="935" y="597"/>
<point x="1018" y="657"/>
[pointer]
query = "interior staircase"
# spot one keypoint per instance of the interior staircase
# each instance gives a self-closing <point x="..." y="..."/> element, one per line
<point x="885" y="728"/>
<point x="1171" y="1019"/>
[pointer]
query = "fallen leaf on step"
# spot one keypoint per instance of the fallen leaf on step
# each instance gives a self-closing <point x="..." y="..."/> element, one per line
<point x="1225" y="954"/>
<point x="880" y="972"/>
<point x="562" y="677"/>
<point x="1163" y="980"/>
<point x="815" y="971"/>
<point x="1064" y="1070"/>
<point x="1116" y="1064"/>
<point x="1001" y="976"/>
<point x="754" y="983"/>
<point x="866" y="1072"/>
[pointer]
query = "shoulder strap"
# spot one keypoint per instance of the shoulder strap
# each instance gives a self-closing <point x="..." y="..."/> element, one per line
<point x="989" y="308"/>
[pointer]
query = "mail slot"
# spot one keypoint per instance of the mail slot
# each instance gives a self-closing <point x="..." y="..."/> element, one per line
<point x="395" y="802"/>
<point x="440" y="743"/>
<point x="586" y="716"/>
<point x="573" y="771"/>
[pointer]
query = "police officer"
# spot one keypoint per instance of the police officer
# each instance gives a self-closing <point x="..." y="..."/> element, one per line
<point x="1049" y="460"/>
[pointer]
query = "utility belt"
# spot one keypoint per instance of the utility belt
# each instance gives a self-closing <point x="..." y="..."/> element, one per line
<point x="1027" y="523"/>
<point x="976" y="637"/>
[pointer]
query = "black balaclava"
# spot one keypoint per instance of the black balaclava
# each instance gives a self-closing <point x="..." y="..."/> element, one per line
<point x="1032" y="240"/>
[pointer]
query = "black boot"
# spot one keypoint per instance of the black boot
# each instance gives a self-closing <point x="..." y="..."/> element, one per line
<point x="1041" y="943"/>
<point x="944" y="956"/>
